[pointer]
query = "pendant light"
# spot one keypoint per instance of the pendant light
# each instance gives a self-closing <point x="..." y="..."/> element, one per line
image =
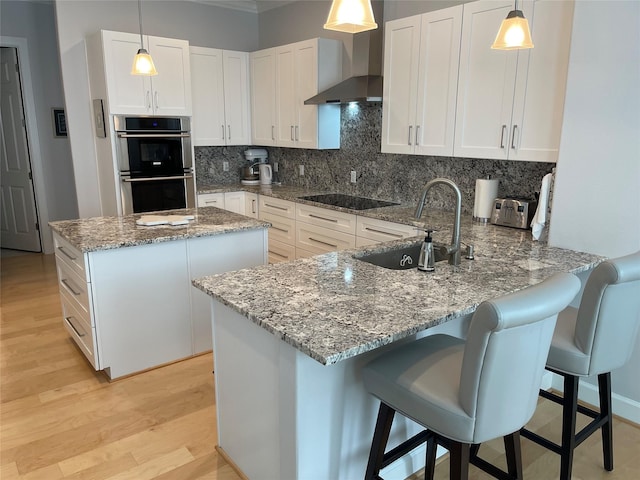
<point x="142" y="62"/>
<point x="514" y="32"/>
<point x="351" y="16"/>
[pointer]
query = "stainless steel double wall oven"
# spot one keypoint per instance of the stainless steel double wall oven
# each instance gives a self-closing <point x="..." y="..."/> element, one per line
<point x="155" y="162"/>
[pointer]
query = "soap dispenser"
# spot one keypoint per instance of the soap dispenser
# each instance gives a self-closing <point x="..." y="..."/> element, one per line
<point x="426" y="261"/>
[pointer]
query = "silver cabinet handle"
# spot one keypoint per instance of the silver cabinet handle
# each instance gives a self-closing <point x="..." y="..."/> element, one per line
<point x="278" y="254"/>
<point x="157" y="99"/>
<point x="383" y="232"/>
<point x="148" y="100"/>
<point x="68" y="319"/>
<point x="229" y="130"/>
<point x="280" y="229"/>
<point x="67" y="284"/>
<point x="253" y="206"/>
<point x="156" y="179"/>
<point x="323" y="218"/>
<point x="273" y="135"/>
<point x="292" y="133"/>
<point x="410" y="129"/>
<point x="323" y="243"/>
<point x="153" y="135"/>
<point x="277" y="207"/>
<point x="66" y="254"/>
<point x="297" y="133"/>
<point x="211" y="202"/>
<point x="222" y="127"/>
<point x="513" y="137"/>
<point x="417" y="134"/>
<point x="504" y="128"/>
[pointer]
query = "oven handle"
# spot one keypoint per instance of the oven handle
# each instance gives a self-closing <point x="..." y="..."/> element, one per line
<point x="151" y="179"/>
<point x="153" y="135"/>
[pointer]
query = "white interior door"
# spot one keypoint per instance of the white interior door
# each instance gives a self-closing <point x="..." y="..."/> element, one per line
<point x="18" y="221"/>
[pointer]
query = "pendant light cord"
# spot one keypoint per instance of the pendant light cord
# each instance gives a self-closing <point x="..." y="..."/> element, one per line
<point x="140" y="20"/>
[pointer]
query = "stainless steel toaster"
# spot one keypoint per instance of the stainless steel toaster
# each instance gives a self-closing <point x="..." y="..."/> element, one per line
<point x="513" y="212"/>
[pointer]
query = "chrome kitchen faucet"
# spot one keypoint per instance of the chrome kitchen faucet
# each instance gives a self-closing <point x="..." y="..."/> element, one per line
<point x="453" y="250"/>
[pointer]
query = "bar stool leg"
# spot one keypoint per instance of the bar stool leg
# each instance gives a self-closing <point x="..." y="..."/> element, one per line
<point x="379" y="443"/>
<point x="604" y="388"/>
<point x="430" y="464"/>
<point x="459" y="461"/>
<point x="569" y="411"/>
<point x="514" y="455"/>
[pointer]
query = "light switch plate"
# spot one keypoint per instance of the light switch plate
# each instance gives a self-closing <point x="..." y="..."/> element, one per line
<point x="353" y="176"/>
<point x="301" y="169"/>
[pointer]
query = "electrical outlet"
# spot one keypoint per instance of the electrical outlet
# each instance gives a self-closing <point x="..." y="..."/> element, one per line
<point x="301" y="170"/>
<point x="225" y="166"/>
<point x="275" y="167"/>
<point x="212" y="170"/>
<point x="353" y="176"/>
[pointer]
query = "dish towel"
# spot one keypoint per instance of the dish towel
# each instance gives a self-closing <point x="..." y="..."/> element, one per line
<point x="540" y="218"/>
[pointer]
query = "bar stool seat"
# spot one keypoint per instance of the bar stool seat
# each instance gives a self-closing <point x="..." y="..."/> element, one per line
<point x="468" y="392"/>
<point x="592" y="340"/>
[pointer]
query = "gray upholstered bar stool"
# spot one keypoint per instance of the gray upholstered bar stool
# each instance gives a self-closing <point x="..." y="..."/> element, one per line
<point x="468" y="392"/>
<point x="593" y="339"/>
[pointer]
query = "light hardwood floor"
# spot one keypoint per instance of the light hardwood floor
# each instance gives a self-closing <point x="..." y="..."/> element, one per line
<point x="59" y="419"/>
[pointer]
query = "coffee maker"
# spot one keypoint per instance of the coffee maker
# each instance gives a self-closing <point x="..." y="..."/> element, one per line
<point x="255" y="173"/>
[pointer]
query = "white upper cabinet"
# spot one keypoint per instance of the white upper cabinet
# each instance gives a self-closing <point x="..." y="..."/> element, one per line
<point x="510" y="103"/>
<point x="291" y="74"/>
<point x="110" y="59"/>
<point x="220" y="84"/>
<point x="420" y="81"/>
<point x="263" y="98"/>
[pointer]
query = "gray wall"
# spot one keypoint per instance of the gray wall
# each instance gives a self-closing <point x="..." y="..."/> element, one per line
<point x="35" y="23"/>
<point x="596" y="206"/>
<point x="201" y="25"/>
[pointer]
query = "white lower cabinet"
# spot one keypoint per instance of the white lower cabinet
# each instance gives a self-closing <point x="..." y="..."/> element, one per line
<point x="244" y="203"/>
<point x="211" y="200"/>
<point x="370" y="231"/>
<point x="282" y="237"/>
<point x="136" y="308"/>
<point x="321" y="230"/>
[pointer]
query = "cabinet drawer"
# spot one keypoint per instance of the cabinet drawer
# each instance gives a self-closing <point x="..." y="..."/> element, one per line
<point x="281" y="252"/>
<point x="282" y="228"/>
<point x="73" y="257"/>
<point x="73" y="287"/>
<point x="276" y="206"/>
<point x="80" y="331"/>
<point x="383" y="231"/>
<point x="323" y="217"/>
<point x="319" y="240"/>
<point x="211" y="200"/>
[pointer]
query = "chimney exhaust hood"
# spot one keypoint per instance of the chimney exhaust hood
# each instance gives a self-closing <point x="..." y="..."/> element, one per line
<point x="366" y="66"/>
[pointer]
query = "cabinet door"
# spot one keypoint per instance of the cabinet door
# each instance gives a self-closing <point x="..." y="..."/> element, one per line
<point x="306" y="85"/>
<point x="251" y="204"/>
<point x="211" y="200"/>
<point x="172" y="86"/>
<point x="234" y="202"/>
<point x="486" y="83"/>
<point x="127" y="94"/>
<point x="438" y="81"/>
<point x="285" y="96"/>
<point x="263" y="97"/>
<point x="401" y="53"/>
<point x="207" y="80"/>
<point x="541" y="79"/>
<point x="236" y="97"/>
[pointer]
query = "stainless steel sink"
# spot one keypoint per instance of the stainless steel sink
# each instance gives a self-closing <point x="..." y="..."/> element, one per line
<point x="402" y="258"/>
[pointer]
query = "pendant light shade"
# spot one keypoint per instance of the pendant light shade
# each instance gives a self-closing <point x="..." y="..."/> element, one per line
<point x="351" y="16"/>
<point x="142" y="62"/>
<point x="514" y="32"/>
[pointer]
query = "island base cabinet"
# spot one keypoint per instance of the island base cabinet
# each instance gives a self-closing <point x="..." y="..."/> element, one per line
<point x="281" y="414"/>
<point x="142" y="306"/>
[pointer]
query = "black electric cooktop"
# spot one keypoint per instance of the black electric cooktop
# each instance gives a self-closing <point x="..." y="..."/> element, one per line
<point x="348" y="201"/>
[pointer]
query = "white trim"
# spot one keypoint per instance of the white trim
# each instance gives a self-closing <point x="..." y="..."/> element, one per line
<point x="31" y="120"/>
<point x="622" y="406"/>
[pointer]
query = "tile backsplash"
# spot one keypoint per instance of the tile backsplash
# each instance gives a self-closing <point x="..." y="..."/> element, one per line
<point x="379" y="175"/>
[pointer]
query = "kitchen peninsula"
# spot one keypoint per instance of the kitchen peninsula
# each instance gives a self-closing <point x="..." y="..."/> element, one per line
<point x="295" y="407"/>
<point x="126" y="291"/>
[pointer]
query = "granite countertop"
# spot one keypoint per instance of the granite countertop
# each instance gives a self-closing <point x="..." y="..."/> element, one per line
<point x="105" y="233"/>
<point x="333" y="307"/>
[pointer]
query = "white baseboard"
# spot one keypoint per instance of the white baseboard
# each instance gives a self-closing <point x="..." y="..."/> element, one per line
<point x="622" y="406"/>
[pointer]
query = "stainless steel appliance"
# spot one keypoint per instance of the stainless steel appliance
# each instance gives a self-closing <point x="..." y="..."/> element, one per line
<point x="513" y="212"/>
<point x="155" y="163"/>
<point x="251" y="173"/>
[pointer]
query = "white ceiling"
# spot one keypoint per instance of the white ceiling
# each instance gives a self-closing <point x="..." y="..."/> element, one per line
<point x="254" y="6"/>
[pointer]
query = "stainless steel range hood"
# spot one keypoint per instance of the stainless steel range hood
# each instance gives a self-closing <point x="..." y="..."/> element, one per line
<point x="366" y="67"/>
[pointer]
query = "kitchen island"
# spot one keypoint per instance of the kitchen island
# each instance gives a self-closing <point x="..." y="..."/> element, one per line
<point x="126" y="291"/>
<point x="295" y="407"/>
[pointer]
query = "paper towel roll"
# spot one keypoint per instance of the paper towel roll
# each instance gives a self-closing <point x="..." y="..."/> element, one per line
<point x="486" y="193"/>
